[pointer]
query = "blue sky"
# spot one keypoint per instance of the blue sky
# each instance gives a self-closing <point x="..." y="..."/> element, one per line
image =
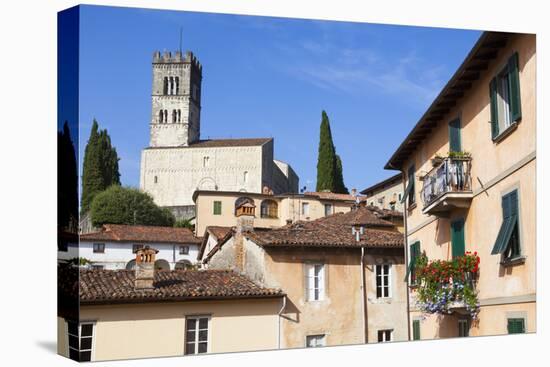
<point x="269" y="77"/>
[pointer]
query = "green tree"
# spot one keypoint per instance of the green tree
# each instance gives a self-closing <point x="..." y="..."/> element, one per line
<point x="326" y="161"/>
<point x="67" y="181"/>
<point x="184" y="223"/>
<point x="340" y="186"/>
<point x="100" y="166"/>
<point x="125" y="205"/>
<point x="329" y="164"/>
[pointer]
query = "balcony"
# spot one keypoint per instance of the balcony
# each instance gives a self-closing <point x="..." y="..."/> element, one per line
<point x="447" y="185"/>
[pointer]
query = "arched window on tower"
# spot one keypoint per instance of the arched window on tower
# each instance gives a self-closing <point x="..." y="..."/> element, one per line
<point x="177" y="85"/>
<point x="179" y="115"/>
<point x="174" y="116"/>
<point x="165" y="86"/>
<point x="165" y="115"/>
<point x="245" y="176"/>
<point x="161" y="115"/>
<point x="172" y="85"/>
<point x="269" y="209"/>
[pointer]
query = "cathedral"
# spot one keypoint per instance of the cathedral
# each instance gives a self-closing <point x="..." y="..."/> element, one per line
<point x="177" y="162"/>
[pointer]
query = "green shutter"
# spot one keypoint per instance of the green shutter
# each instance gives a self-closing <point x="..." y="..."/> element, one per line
<point x="414" y="252"/>
<point x="406" y="193"/>
<point x="457" y="237"/>
<point x="217" y="207"/>
<point x="454" y="136"/>
<point x="494" y="107"/>
<point x="411" y="194"/>
<point x="513" y="81"/>
<point x="416" y="329"/>
<point x="516" y="326"/>
<point x="509" y="222"/>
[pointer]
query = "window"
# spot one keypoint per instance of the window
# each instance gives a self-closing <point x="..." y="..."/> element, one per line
<point x="505" y="98"/>
<point x="414" y="252"/>
<point x="508" y="241"/>
<point x="165" y="86"/>
<point x="177" y="85"/>
<point x="136" y="247"/>
<point x="62" y="245"/>
<point x="217" y="208"/>
<point x="328" y="209"/>
<point x="80" y="340"/>
<point x="463" y="327"/>
<point x="454" y="136"/>
<point x="457" y="237"/>
<point x="409" y="190"/>
<point x="384" y="336"/>
<point x="269" y="209"/>
<point x="205" y="161"/>
<point x="156" y="179"/>
<point x="161" y="116"/>
<point x="99" y="248"/>
<point x="184" y="250"/>
<point x="383" y="281"/>
<point x="196" y="334"/>
<point x="313" y="341"/>
<point x="245" y="176"/>
<point x="416" y="329"/>
<point x="315" y="282"/>
<point x="305" y="208"/>
<point x="400" y="196"/>
<point x="179" y="115"/>
<point x="98" y="267"/>
<point x="516" y="326"/>
<point x="392" y="206"/>
<point x="174" y="116"/>
<point x="165" y="115"/>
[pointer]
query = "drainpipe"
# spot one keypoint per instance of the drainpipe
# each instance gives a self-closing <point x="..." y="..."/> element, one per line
<point x="406" y="253"/>
<point x="279" y="323"/>
<point x="364" y="298"/>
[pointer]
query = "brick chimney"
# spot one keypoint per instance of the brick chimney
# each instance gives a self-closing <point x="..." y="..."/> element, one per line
<point x="145" y="268"/>
<point x="245" y="223"/>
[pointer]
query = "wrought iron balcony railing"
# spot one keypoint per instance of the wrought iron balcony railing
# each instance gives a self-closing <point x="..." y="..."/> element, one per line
<point x="451" y="175"/>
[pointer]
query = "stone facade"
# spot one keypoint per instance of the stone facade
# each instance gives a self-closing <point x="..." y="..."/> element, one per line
<point x="177" y="162"/>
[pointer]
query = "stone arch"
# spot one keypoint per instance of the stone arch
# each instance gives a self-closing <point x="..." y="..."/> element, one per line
<point x="162" y="264"/>
<point x="131" y="265"/>
<point x="161" y="116"/>
<point x="165" y="86"/>
<point x="207" y="183"/>
<point x="184" y="265"/>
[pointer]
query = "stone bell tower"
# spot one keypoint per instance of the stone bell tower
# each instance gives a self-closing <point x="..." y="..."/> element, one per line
<point x="176" y="100"/>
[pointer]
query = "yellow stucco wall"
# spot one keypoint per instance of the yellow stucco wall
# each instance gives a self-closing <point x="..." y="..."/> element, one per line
<point x="497" y="168"/>
<point x="289" y="208"/>
<point x="158" y="330"/>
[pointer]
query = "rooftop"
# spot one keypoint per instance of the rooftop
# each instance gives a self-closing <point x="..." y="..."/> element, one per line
<point x="333" y="231"/>
<point x="395" y="179"/>
<point x="477" y="60"/>
<point x="150" y="234"/>
<point x="222" y="143"/>
<point x="117" y="286"/>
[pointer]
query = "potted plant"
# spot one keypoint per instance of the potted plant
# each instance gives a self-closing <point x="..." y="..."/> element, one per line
<point x="437" y="160"/>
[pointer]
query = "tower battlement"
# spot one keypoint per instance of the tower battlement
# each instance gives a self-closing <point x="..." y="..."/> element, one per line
<point x="169" y="58"/>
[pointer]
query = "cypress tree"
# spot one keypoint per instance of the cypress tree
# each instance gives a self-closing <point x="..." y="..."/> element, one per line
<point x="340" y="186"/>
<point x="326" y="161"/>
<point x="100" y="166"/>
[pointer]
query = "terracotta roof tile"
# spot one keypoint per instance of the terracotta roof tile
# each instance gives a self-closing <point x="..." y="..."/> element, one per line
<point x="117" y="286"/>
<point x="333" y="196"/>
<point x="332" y="231"/>
<point x="128" y="233"/>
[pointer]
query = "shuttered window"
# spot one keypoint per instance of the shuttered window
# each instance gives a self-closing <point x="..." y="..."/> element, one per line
<point x="217" y="207"/>
<point x="457" y="237"/>
<point x="454" y="136"/>
<point x="416" y="329"/>
<point x="507" y="242"/>
<point x="413" y="253"/>
<point x="505" y="100"/>
<point x="409" y="190"/>
<point x="516" y="326"/>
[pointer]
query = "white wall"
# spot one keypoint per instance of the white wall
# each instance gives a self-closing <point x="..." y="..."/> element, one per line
<point x="118" y="254"/>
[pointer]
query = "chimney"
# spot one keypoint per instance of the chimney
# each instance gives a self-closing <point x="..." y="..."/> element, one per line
<point x="145" y="268"/>
<point x="245" y="213"/>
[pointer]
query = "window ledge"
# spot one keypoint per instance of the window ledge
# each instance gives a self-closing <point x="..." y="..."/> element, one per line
<point x="501" y="136"/>
<point x="518" y="260"/>
<point x="412" y="206"/>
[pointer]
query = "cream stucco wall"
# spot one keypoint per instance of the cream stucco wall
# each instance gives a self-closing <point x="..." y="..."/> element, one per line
<point x="158" y="329"/>
<point x="387" y="196"/>
<point x="289" y="208"/>
<point x="497" y="168"/>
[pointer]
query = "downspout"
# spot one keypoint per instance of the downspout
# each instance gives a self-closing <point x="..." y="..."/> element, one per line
<point x="406" y="250"/>
<point x="279" y="323"/>
<point x="364" y="298"/>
